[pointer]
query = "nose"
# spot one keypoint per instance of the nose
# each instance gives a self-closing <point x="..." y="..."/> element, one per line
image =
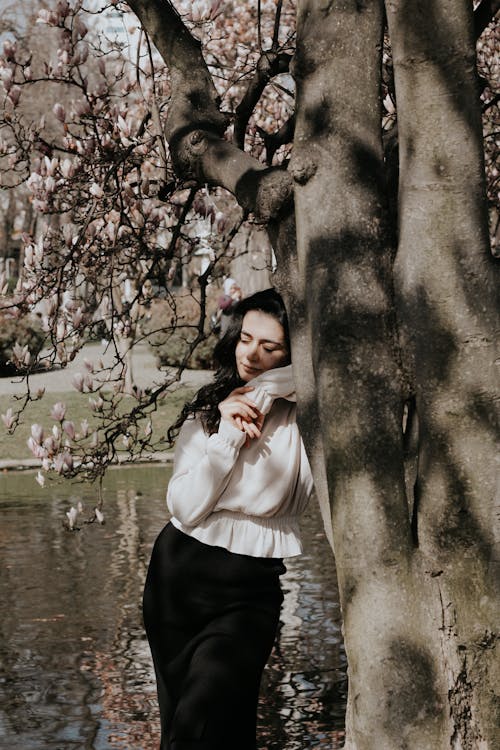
<point x="252" y="351"/>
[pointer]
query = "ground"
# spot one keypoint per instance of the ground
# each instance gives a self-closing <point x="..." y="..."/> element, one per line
<point x="59" y="381"/>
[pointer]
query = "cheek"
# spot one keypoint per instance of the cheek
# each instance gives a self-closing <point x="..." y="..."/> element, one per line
<point x="278" y="358"/>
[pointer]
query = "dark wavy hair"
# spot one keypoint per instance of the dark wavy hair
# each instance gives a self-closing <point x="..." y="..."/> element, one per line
<point x="226" y="379"/>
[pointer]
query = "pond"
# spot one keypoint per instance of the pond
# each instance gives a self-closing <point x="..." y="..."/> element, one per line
<point x="76" y="670"/>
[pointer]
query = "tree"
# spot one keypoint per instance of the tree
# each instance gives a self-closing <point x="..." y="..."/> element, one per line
<point x="384" y="329"/>
<point x="393" y="331"/>
<point x="113" y="224"/>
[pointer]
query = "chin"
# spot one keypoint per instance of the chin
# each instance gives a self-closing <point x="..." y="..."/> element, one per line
<point x="247" y="375"/>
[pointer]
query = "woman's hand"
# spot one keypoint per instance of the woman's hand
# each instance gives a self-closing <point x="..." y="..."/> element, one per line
<point x="241" y="412"/>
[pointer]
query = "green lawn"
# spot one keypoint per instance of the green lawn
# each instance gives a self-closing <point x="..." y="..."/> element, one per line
<point x="14" y="447"/>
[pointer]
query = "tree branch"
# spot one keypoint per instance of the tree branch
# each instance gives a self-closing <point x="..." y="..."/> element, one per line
<point x="258" y="189"/>
<point x="195" y="126"/>
<point x="484" y="13"/>
<point x="270" y="64"/>
<point x="195" y="102"/>
<point x="272" y="141"/>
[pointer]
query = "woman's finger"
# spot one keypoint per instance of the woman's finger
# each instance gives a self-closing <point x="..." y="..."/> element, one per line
<point x="251" y="429"/>
<point x="241" y="409"/>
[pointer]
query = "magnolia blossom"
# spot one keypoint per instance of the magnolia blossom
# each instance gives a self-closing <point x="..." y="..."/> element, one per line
<point x="20" y="354"/>
<point x="8" y="418"/>
<point x="14" y="95"/>
<point x="50" y="445"/>
<point x="96" y="190"/>
<point x="99" y="515"/>
<point x="37" y="433"/>
<point x="58" y="411"/>
<point x="78" y="381"/>
<point x="77" y="317"/>
<point x="67" y="168"/>
<point x="96" y="404"/>
<point x="37" y="450"/>
<point x="69" y="429"/>
<point x="40" y="479"/>
<point x="63" y="462"/>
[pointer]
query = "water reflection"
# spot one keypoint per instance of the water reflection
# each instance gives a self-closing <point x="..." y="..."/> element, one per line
<point x="75" y="665"/>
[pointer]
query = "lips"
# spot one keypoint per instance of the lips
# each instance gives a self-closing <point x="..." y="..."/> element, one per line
<point x="250" y="370"/>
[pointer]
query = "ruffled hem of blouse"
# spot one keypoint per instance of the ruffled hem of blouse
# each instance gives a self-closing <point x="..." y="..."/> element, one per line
<point x="278" y="536"/>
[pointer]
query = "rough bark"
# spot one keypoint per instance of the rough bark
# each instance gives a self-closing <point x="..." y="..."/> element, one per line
<point x="345" y="288"/>
<point x="447" y="313"/>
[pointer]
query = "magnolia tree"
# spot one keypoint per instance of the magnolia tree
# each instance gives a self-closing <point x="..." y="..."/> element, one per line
<point x="113" y="222"/>
<point x="391" y="299"/>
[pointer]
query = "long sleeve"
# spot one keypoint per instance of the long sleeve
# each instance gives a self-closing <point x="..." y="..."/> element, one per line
<point x="246" y="496"/>
<point x="202" y="468"/>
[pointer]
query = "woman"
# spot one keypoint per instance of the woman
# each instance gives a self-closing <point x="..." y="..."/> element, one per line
<point x="241" y="479"/>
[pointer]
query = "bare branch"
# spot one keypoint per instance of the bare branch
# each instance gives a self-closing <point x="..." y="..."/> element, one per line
<point x="484" y="14"/>
<point x="272" y="141"/>
<point x="270" y="64"/>
<point x="277" y="19"/>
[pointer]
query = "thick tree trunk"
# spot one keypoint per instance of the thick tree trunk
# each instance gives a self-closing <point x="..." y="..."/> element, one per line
<point x="445" y="292"/>
<point x="345" y="287"/>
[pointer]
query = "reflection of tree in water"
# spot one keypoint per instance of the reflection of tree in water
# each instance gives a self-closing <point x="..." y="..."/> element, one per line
<point x="303" y="691"/>
<point x="304" y="684"/>
<point x="128" y="698"/>
<point x="77" y="671"/>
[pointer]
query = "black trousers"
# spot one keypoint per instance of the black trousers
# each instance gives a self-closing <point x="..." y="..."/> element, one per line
<point x="211" y="618"/>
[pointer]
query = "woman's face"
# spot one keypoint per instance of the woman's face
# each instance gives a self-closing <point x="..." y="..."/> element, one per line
<point x="261" y="346"/>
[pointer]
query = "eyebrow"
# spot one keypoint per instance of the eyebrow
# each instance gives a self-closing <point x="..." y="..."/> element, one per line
<point x="263" y="341"/>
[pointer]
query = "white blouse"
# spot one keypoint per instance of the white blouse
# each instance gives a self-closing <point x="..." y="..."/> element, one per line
<point x="245" y="495"/>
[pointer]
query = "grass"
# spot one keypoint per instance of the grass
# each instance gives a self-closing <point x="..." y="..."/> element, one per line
<point x="14" y="447"/>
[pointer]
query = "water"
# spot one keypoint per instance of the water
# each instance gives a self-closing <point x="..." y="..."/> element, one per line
<point x="75" y="665"/>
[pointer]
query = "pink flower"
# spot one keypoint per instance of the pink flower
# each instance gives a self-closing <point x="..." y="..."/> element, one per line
<point x="95" y="190"/>
<point x="59" y="111"/>
<point x="58" y="411"/>
<point x="15" y="95"/>
<point x="78" y="381"/>
<point x="37" y="433"/>
<point x="69" y="429"/>
<point x="8" y="418"/>
<point x="35" y="448"/>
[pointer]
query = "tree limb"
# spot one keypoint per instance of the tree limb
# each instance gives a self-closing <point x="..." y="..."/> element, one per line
<point x="484" y="13"/>
<point x="272" y="141"/>
<point x="195" y="102"/>
<point x="195" y="126"/>
<point x="270" y="64"/>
